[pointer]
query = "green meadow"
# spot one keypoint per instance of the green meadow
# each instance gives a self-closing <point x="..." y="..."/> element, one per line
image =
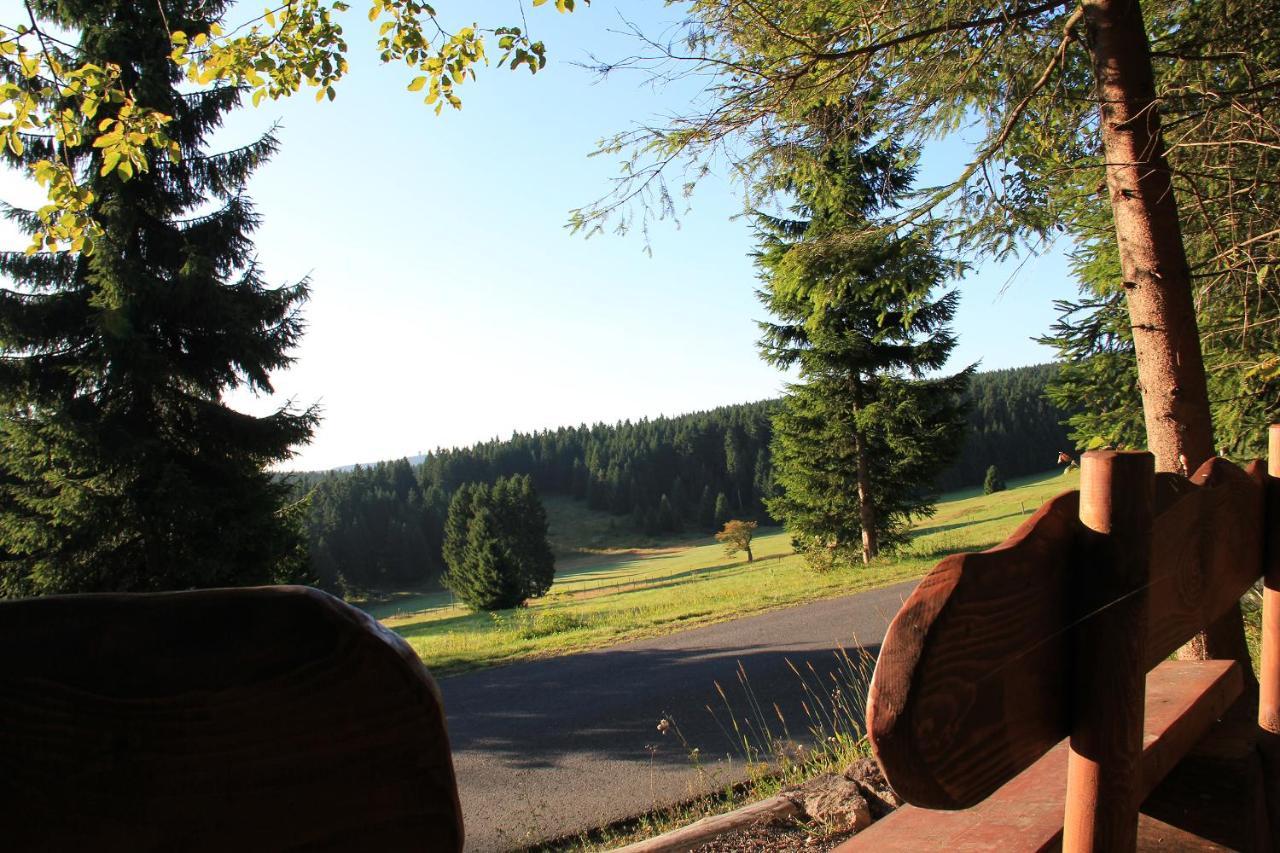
<point x="613" y="586"/>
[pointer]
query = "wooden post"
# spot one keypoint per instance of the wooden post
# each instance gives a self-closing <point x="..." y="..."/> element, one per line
<point x="1104" y="769"/>
<point x="1269" y="682"/>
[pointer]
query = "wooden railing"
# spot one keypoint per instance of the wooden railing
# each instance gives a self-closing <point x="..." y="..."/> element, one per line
<point x="223" y="720"/>
<point x="1063" y="632"/>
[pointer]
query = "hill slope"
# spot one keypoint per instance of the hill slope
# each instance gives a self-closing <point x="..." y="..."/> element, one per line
<point x="381" y="526"/>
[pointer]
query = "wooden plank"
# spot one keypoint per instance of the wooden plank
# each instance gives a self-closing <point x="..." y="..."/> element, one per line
<point x="969" y="688"/>
<point x="1206" y="553"/>
<point x="1216" y="791"/>
<point x="1184" y="698"/>
<point x="1160" y="837"/>
<point x="1269" y="670"/>
<point x="266" y="718"/>
<point x="974" y="676"/>
<point x="696" y="834"/>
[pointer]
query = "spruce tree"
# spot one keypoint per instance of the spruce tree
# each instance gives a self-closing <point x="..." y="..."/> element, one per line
<point x="123" y="468"/>
<point x="722" y="512"/>
<point x="523" y="522"/>
<point x="668" y="521"/>
<point x="457" y="522"/>
<point x="707" y="509"/>
<point x="862" y="436"/>
<point x="496" y="546"/>
<point x="487" y="578"/>
<point x="993" y="482"/>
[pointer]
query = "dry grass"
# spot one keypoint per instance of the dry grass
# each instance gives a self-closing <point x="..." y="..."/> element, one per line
<point x="778" y="757"/>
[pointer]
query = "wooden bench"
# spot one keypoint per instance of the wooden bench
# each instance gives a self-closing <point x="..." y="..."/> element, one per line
<point x="1023" y="698"/>
<point x="251" y="719"/>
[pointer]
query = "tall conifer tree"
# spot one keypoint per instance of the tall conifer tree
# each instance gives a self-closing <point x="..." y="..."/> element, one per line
<point x="496" y="544"/>
<point x="861" y="437"/>
<point x="123" y="467"/>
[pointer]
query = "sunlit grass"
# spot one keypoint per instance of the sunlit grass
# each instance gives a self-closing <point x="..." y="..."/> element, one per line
<point x="647" y="589"/>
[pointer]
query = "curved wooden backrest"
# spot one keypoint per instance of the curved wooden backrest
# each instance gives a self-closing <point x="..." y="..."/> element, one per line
<point x="975" y="676"/>
<point x="271" y="718"/>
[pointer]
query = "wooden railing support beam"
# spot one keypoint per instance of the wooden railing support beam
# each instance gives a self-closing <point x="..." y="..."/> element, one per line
<point x="1269" y="677"/>
<point x="1104" y="767"/>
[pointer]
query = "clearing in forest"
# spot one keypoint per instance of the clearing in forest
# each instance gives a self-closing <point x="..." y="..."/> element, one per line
<point x="613" y="586"/>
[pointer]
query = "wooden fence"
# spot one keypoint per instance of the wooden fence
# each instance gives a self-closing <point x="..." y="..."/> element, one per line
<point x="1023" y="696"/>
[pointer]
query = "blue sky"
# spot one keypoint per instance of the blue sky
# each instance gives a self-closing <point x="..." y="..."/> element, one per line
<point x="451" y="305"/>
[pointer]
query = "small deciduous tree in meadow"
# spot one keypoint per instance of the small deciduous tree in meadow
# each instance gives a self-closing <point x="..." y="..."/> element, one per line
<point x="736" y="537"/>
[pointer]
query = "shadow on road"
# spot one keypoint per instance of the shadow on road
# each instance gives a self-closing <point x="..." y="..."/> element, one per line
<point x="608" y="704"/>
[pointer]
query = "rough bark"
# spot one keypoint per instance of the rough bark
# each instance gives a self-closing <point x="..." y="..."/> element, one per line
<point x="1157" y="277"/>
<point x="866" y="503"/>
<point x="1153" y="260"/>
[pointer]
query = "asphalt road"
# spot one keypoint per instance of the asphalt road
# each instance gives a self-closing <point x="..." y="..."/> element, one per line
<point x="556" y="746"/>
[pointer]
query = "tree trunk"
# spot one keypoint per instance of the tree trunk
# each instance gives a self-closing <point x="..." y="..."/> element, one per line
<point x="866" y="503"/>
<point x="1153" y="260"/>
<point x="749" y="558"/>
<point x="1157" y="277"/>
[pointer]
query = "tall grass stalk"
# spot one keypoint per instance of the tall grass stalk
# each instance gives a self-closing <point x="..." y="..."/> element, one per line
<point x="834" y="712"/>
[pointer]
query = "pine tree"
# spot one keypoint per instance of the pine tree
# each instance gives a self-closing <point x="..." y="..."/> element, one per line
<point x="457" y="522"/>
<point x="524" y="521"/>
<point x="861" y="437"/>
<point x="487" y="578"/>
<point x="517" y="564"/>
<point x="679" y="498"/>
<point x="668" y="521"/>
<point x="993" y="482"/>
<point x="707" y="509"/>
<point x="722" y="511"/>
<point x="762" y="487"/>
<point x="123" y="467"/>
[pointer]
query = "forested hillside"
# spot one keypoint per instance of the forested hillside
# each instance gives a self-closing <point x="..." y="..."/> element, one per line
<point x="1012" y="425"/>
<point x="383" y="525"/>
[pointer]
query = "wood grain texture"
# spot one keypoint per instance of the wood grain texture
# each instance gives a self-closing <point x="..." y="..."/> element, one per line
<point x="969" y="688"/>
<point x="974" y="676"/>
<point x="1216" y="791"/>
<point x="1206" y="553"/>
<point x="1184" y="698"/>
<point x="1111" y="584"/>
<point x="274" y="718"/>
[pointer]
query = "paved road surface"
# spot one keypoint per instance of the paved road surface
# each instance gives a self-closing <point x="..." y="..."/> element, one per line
<point x="560" y="745"/>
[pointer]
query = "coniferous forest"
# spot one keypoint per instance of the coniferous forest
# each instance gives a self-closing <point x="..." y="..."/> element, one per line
<point x="383" y="525"/>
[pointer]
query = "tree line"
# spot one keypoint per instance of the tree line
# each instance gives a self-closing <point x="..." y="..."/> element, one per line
<point x="383" y="525"/>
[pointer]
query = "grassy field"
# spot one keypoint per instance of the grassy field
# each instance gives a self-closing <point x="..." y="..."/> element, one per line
<point x="612" y="585"/>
